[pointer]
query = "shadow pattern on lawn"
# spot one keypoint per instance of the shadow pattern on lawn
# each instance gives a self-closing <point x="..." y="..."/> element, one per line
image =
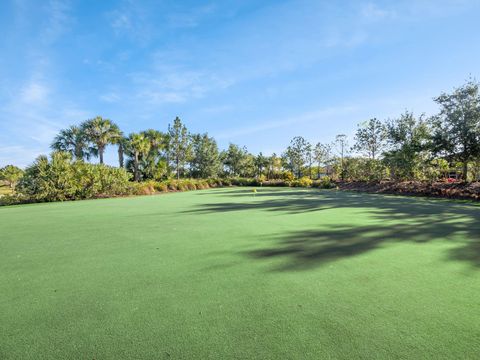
<point x="406" y="219"/>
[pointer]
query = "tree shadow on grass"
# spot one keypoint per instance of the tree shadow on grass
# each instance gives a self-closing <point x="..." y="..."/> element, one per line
<point x="399" y="219"/>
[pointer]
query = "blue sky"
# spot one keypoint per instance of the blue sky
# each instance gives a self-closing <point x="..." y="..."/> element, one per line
<point x="255" y="73"/>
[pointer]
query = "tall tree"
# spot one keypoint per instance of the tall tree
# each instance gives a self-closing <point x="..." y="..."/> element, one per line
<point x="321" y="155"/>
<point x="274" y="166"/>
<point x="296" y="155"/>
<point x="261" y="164"/>
<point x="232" y="159"/>
<point x="11" y="175"/>
<point x="179" y="145"/>
<point x="138" y="146"/>
<point x="72" y="140"/>
<point x="205" y="161"/>
<point x="457" y="126"/>
<point x="154" y="161"/>
<point x="122" y="144"/>
<point x="101" y="132"/>
<point x="342" y="148"/>
<point x="247" y="165"/>
<point x="408" y="138"/>
<point x="370" y="138"/>
<point x="309" y="158"/>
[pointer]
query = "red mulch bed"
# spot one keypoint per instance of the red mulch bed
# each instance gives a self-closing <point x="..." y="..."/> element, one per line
<point x="458" y="190"/>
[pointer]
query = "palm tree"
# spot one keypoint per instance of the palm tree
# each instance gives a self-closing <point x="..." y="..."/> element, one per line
<point x="157" y="144"/>
<point x="101" y="132"/>
<point x="73" y="141"/>
<point x="121" y="142"/>
<point x="138" y="146"/>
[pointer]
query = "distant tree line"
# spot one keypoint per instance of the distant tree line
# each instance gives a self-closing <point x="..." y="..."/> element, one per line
<point x="408" y="147"/>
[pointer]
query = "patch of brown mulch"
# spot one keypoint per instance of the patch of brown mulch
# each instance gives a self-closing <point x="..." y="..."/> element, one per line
<point x="458" y="190"/>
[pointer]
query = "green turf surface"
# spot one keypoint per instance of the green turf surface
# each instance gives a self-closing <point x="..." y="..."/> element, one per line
<point x="224" y="274"/>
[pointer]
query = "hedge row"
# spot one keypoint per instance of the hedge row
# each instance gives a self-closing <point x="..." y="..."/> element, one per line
<point x="153" y="187"/>
<point x="101" y="183"/>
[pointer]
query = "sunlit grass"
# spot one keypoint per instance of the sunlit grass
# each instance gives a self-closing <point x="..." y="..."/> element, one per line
<point x="228" y="273"/>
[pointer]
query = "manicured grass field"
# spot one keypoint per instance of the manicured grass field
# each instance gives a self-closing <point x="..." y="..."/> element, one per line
<point x="224" y="274"/>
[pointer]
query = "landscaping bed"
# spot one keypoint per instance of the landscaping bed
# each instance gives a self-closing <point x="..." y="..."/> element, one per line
<point x="457" y="190"/>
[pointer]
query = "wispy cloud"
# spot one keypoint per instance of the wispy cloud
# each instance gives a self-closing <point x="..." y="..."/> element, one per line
<point x="190" y="18"/>
<point x="372" y="11"/>
<point x="265" y="125"/>
<point x="34" y="93"/>
<point x="57" y="22"/>
<point x="174" y="83"/>
<point x="131" y="20"/>
<point x="111" y="97"/>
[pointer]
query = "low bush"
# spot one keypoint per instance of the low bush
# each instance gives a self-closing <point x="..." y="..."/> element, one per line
<point x="14" y="199"/>
<point x="305" y="182"/>
<point x="59" y="179"/>
<point x="324" y="183"/>
<point x="161" y="187"/>
<point x="276" y="182"/>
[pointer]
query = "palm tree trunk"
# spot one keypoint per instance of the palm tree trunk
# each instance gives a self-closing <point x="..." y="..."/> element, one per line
<point x="78" y="153"/>
<point x="120" y="155"/>
<point x="100" y="154"/>
<point x="135" y="170"/>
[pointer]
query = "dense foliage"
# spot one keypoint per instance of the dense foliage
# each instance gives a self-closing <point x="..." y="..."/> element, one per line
<point x="60" y="178"/>
<point x="443" y="147"/>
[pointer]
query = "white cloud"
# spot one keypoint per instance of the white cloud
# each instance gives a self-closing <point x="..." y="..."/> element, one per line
<point x="371" y="11"/>
<point x="111" y="97"/>
<point x="34" y="93"/>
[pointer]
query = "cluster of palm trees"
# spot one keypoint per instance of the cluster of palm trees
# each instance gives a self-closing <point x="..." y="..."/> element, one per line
<point x="91" y="138"/>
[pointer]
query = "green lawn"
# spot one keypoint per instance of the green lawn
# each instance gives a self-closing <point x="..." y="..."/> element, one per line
<point x="224" y="274"/>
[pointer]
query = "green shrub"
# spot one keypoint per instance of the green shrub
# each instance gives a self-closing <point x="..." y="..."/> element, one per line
<point x="202" y="184"/>
<point x="161" y="187"/>
<point x="245" y="182"/>
<point x="305" y="182"/>
<point x="287" y="176"/>
<point x="60" y="179"/>
<point x="172" y="185"/>
<point x="324" y="183"/>
<point x="275" y="182"/>
<point x="190" y="184"/>
<point x="14" y="199"/>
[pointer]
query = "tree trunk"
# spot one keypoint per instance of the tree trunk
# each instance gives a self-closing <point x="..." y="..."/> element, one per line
<point x="178" y="169"/>
<point x="120" y="155"/>
<point x="78" y="153"/>
<point x="465" y="170"/>
<point x="100" y="154"/>
<point x="135" y="170"/>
